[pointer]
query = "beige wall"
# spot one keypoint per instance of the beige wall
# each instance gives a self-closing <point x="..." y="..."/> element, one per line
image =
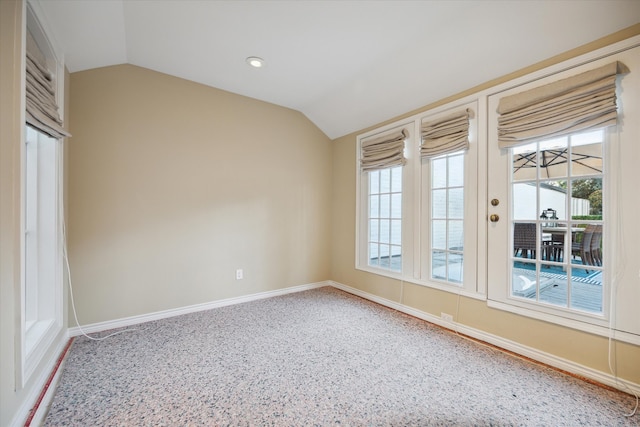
<point x="174" y="185"/>
<point x="574" y="346"/>
<point x="11" y="15"/>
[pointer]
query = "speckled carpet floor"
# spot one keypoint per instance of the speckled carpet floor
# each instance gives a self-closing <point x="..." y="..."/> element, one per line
<point x="315" y="358"/>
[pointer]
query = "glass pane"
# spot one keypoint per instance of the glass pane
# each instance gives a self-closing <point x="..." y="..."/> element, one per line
<point x="586" y="197"/>
<point x="385" y="206"/>
<point x="396" y="258"/>
<point x="553" y="241"/>
<point x="396" y="179"/>
<point x="524" y="202"/>
<point x="524" y="162"/>
<point x="385" y="180"/>
<point x="373" y="252"/>
<point x="439" y="234"/>
<point x="374" y="232"/>
<point x="374" y="182"/>
<point x="586" y="159"/>
<point x="374" y="206"/>
<point x="556" y="143"/>
<point x="524" y="240"/>
<point x="439" y="173"/>
<point x="396" y="206"/>
<point x="396" y="231"/>
<point x="384" y="231"/>
<point x="456" y="237"/>
<point x="456" y="171"/>
<point x="524" y="282"/>
<point x="553" y="163"/>
<point x="589" y="137"/>
<point x="455" y="272"/>
<point x="439" y="265"/>
<point x="553" y="201"/>
<point x="456" y="203"/>
<point x="439" y="203"/>
<point x="553" y="289"/>
<point x="384" y="256"/>
<point x="586" y="245"/>
<point x="586" y="290"/>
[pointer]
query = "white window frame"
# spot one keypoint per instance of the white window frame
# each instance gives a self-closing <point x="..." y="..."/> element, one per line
<point x="38" y="331"/>
<point x="416" y="205"/>
<point x="619" y="320"/>
<point x="566" y="219"/>
<point x="362" y="205"/>
<point x="469" y="285"/>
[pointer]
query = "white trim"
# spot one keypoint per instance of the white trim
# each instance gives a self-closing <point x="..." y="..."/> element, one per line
<point x="441" y="286"/>
<point x="512" y="346"/>
<point x="38" y="384"/>
<point x="164" y="314"/>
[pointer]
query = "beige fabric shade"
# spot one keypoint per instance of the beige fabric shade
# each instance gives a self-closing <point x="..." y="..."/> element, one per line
<point x="41" y="107"/>
<point x="446" y="135"/>
<point x="578" y="103"/>
<point x="383" y="152"/>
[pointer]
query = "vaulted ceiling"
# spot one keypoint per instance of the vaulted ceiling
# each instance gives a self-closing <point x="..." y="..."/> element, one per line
<point x="346" y="65"/>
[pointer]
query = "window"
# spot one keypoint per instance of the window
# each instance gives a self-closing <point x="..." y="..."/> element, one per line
<point x="557" y="188"/>
<point x="417" y="221"/>
<point x="448" y="189"/>
<point x="382" y="186"/>
<point x="447" y="218"/>
<point x="40" y="329"/>
<point x="385" y="218"/>
<point x="561" y="221"/>
<point x="42" y="301"/>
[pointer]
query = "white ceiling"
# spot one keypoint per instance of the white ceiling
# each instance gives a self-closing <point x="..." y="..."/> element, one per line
<point x="346" y="65"/>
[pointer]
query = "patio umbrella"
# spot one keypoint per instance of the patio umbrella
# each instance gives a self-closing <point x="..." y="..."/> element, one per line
<point x="554" y="162"/>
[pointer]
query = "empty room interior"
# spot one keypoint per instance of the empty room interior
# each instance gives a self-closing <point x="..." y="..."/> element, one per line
<point x="467" y="169"/>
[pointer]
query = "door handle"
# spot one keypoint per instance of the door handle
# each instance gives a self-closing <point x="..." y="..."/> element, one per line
<point x="494" y="218"/>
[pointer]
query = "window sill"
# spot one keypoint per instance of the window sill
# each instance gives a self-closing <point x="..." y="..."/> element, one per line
<point x="427" y="284"/>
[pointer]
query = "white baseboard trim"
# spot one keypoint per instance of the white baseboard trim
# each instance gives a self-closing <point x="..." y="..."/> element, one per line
<point x="135" y="320"/>
<point x="495" y="340"/>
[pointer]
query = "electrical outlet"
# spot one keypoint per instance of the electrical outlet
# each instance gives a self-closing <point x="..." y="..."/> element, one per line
<point x="446" y="317"/>
<point x="239" y="274"/>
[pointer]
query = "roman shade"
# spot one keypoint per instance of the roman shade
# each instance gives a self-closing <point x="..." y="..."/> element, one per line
<point x="582" y="102"/>
<point x="383" y="151"/>
<point x="41" y="108"/>
<point x="446" y="135"/>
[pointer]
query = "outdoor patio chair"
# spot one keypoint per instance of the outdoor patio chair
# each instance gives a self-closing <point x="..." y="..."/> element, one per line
<point x="582" y="248"/>
<point x="524" y="239"/>
<point x="596" y="250"/>
<point x="554" y="247"/>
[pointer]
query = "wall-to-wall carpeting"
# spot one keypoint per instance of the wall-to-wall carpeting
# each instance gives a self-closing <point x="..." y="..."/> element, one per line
<point x="319" y="357"/>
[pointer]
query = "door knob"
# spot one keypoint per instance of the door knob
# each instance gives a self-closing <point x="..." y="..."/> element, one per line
<point x="494" y="218"/>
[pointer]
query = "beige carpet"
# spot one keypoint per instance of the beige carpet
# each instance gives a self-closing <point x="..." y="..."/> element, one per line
<point x="315" y="358"/>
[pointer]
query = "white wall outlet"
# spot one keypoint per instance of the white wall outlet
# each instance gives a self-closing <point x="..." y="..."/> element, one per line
<point x="446" y="317"/>
<point x="239" y="274"/>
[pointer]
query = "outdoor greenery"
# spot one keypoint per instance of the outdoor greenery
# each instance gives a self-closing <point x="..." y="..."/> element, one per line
<point x="587" y="217"/>
<point x="589" y="189"/>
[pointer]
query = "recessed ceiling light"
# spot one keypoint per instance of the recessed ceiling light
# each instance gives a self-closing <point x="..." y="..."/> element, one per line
<point x="255" y="62"/>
